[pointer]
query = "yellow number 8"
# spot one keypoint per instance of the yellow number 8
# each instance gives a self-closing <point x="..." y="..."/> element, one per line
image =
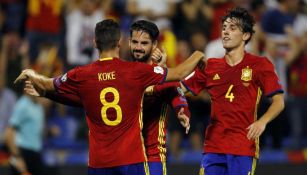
<point x="112" y="104"/>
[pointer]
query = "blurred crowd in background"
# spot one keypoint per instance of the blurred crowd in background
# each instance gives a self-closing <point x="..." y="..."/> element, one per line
<point x="53" y="36"/>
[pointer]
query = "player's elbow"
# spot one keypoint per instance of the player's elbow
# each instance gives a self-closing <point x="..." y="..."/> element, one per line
<point x="279" y="101"/>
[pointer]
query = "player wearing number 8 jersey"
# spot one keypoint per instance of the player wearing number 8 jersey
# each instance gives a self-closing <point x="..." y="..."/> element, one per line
<point x="235" y="84"/>
<point x="111" y="91"/>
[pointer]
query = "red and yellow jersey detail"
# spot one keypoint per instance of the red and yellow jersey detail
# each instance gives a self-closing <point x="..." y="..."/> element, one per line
<point x="162" y="134"/>
<point x="235" y="93"/>
<point x="111" y="92"/>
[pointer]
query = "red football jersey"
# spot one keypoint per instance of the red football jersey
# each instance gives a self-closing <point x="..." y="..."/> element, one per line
<point x="111" y="91"/>
<point x="156" y="113"/>
<point x="235" y="93"/>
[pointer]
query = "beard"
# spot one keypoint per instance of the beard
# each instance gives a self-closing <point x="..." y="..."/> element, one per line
<point x="141" y="59"/>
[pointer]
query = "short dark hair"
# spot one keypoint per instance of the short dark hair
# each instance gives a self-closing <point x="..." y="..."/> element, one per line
<point x="146" y="26"/>
<point x="245" y="20"/>
<point x="107" y="34"/>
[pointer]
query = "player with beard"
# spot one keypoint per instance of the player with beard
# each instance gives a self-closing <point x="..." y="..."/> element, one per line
<point x="69" y="84"/>
<point x="143" y="45"/>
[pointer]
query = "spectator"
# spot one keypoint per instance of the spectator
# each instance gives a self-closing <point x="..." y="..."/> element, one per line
<point x="7" y="102"/>
<point x="43" y="24"/>
<point x="80" y="23"/>
<point x="24" y="137"/>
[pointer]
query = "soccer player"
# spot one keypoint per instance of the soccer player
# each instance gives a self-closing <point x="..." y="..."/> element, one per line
<point x="111" y="92"/>
<point x="235" y="84"/>
<point x="143" y="46"/>
<point x="143" y="41"/>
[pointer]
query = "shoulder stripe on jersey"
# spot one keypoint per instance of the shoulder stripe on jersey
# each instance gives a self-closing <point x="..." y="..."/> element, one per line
<point x="105" y="59"/>
<point x="161" y="134"/>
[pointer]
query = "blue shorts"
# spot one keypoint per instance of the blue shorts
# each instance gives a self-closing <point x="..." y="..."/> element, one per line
<point x="227" y="164"/>
<point x="138" y="168"/>
<point x="157" y="168"/>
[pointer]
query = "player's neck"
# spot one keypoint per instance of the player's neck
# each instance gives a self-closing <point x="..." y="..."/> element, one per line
<point x="109" y="53"/>
<point x="234" y="56"/>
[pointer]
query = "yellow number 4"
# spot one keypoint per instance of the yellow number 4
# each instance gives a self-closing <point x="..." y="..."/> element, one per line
<point x="112" y="104"/>
<point x="229" y="94"/>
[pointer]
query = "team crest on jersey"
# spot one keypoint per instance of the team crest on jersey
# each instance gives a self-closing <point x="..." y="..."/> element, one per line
<point x="64" y="77"/>
<point x="159" y="70"/>
<point x="246" y="74"/>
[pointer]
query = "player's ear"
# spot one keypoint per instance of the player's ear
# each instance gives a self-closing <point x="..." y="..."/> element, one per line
<point x="155" y="44"/>
<point x="129" y="41"/>
<point x="246" y="36"/>
<point x="119" y="43"/>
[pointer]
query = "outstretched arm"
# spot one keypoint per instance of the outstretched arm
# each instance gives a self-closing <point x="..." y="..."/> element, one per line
<point x="185" y="68"/>
<point x="257" y="128"/>
<point x="63" y="98"/>
<point x="45" y="84"/>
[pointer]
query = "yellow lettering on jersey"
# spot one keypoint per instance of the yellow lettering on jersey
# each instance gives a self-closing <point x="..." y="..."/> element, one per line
<point x="106" y="76"/>
<point x="216" y="77"/>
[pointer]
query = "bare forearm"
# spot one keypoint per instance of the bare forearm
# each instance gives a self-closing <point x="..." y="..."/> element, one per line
<point x="185" y="68"/>
<point x="10" y="141"/>
<point x="275" y="108"/>
<point x="43" y="83"/>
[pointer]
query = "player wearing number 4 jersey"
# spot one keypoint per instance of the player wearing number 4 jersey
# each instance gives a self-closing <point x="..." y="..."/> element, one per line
<point x="111" y="91"/>
<point x="235" y="84"/>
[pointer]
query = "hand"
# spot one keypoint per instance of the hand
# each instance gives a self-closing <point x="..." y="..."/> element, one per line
<point x="34" y="91"/>
<point x="19" y="164"/>
<point x="255" y="130"/>
<point x="25" y="75"/>
<point x="159" y="56"/>
<point x="184" y="120"/>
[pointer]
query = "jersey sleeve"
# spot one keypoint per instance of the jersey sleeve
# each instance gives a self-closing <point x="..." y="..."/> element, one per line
<point x="64" y="98"/>
<point x="173" y="95"/>
<point x="67" y="83"/>
<point x="150" y="74"/>
<point x="268" y="79"/>
<point x="195" y="82"/>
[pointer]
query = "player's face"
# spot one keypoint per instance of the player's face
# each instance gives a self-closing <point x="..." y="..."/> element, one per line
<point x="232" y="34"/>
<point x="141" y="46"/>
